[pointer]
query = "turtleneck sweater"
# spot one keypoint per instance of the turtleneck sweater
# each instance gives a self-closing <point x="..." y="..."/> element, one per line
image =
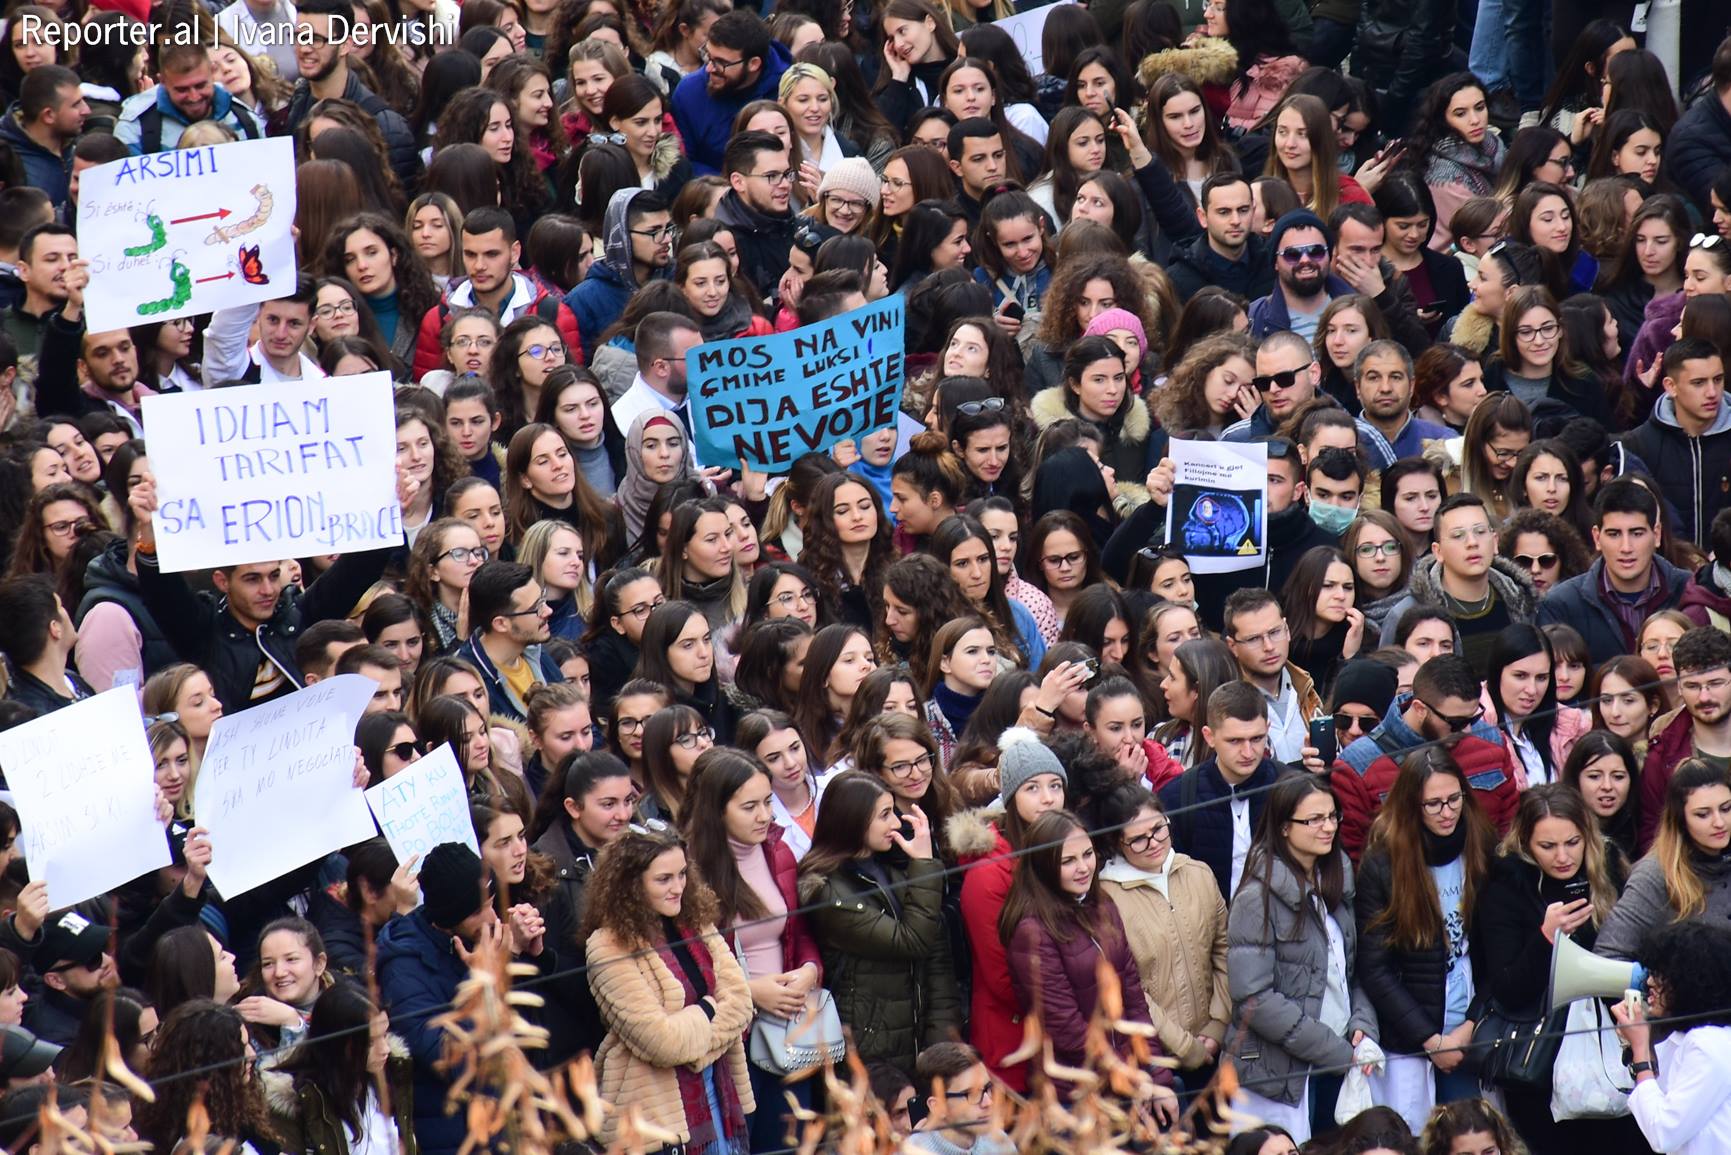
<point x="760" y="938"/>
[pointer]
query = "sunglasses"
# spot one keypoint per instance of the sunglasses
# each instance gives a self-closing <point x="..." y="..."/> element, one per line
<point x="1293" y="254"/>
<point x="404" y="751"/>
<point x="1706" y="241"/>
<point x="975" y="408"/>
<point x="1528" y="561"/>
<point x="1284" y="379"/>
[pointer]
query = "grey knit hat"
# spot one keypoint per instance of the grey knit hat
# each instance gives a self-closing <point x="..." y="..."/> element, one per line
<point x="1021" y="756"/>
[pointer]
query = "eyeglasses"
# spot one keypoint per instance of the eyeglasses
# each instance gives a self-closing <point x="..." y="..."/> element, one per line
<point x="474" y="342"/>
<point x="984" y="405"/>
<point x="1542" y="561"/>
<point x="628" y="724"/>
<point x="1455" y="723"/>
<point x="1538" y="332"/>
<point x="539" y="606"/>
<point x="1706" y="241"/>
<point x="1438" y="805"/>
<point x="1503" y="454"/>
<point x="977" y="1097"/>
<point x="1332" y="818"/>
<point x="340" y="309"/>
<point x="696" y="738"/>
<point x="841" y="204"/>
<point x="715" y="63"/>
<point x="1142" y="843"/>
<point x="542" y="352"/>
<point x="780" y="176"/>
<point x="1378" y="549"/>
<point x="643" y="609"/>
<point x="1063" y="561"/>
<point x="658" y="233"/>
<point x="1293" y="254"/>
<point x="1365" y="723"/>
<point x="897" y="183"/>
<point x="906" y="770"/>
<point x="67" y="528"/>
<point x="404" y="751"/>
<point x="464" y="554"/>
<point x="787" y="599"/>
<point x="1284" y="379"/>
<point x="651" y="828"/>
<point x="1256" y="641"/>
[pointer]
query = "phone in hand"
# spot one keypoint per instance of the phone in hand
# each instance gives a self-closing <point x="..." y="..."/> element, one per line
<point x="1322" y="736"/>
<point x="1013" y="310"/>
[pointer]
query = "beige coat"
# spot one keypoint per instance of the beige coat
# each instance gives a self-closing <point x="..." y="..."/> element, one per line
<point x="651" y="1032"/>
<point x="1180" y="950"/>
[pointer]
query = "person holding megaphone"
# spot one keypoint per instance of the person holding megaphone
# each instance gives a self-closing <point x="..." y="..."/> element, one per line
<point x="1682" y="1094"/>
<point x="1555" y="876"/>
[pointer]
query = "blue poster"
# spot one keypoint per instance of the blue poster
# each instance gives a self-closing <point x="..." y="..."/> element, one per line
<point x="767" y="401"/>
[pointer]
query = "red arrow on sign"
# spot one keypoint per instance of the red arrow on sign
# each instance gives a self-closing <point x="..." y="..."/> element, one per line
<point x="218" y="214"/>
<point x="223" y="277"/>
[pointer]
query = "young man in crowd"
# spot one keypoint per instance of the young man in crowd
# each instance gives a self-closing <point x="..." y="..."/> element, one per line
<point x="638" y="234"/>
<point x="758" y="204"/>
<point x="958" y="1104"/>
<point x="508" y="613"/>
<point x="1687" y="440"/>
<point x="1228" y="254"/>
<point x="37" y="637"/>
<point x="490" y="251"/>
<point x="383" y="667"/>
<point x="1257" y="633"/>
<point x="1700" y="729"/>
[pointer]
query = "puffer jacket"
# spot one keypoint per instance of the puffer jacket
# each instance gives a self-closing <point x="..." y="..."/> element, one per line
<point x="1671" y="739"/>
<point x="305" y="1122"/>
<point x="1646" y="903"/>
<point x="651" y="1031"/>
<point x="572" y="1019"/>
<point x="994" y="1012"/>
<point x="1506" y="927"/>
<point x="1061" y="979"/>
<point x="1512" y="585"/>
<point x="1179" y="943"/>
<point x="1693" y="472"/>
<point x="1408" y="988"/>
<point x="1277" y="971"/>
<point x="1700" y="148"/>
<point x="1365" y="772"/>
<point x="1126" y="447"/>
<point x="886" y="957"/>
<point x="107" y="579"/>
<point x="1704" y="600"/>
<point x="597" y="300"/>
<point x="419" y="973"/>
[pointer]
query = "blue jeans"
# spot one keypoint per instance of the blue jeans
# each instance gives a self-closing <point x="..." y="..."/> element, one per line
<point x="1489" y="58"/>
<point x="1528" y="57"/>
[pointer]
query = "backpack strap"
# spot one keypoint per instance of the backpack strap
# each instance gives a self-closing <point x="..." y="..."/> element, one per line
<point x="150" y="130"/>
<point x="250" y="129"/>
<point x="547" y="308"/>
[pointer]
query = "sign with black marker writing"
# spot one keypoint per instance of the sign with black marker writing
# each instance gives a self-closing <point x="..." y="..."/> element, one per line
<point x="766" y="401"/>
<point x="276" y="787"/>
<point x="265" y="472"/>
<point x="85" y="787"/>
<point x="423" y="805"/>
<point x="188" y="231"/>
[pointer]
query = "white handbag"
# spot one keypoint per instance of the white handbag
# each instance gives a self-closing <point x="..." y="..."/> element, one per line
<point x="788" y="1046"/>
<point x="1588" y="1079"/>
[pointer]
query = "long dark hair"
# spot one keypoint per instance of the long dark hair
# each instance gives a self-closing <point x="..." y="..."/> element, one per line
<point x="1510" y="646"/>
<point x="1328" y="881"/>
<point x="717" y="776"/>
<point x="849" y="801"/>
<point x="333" y="1057"/>
<point x="949" y="536"/>
<point x="1036" y="893"/>
<point x="1414" y="918"/>
<point x="823" y="548"/>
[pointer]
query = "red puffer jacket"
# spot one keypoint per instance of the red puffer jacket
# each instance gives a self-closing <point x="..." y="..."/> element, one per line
<point x="798" y="947"/>
<point x="994" y="1012"/>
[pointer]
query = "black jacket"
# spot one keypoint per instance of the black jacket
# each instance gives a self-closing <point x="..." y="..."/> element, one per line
<point x="29" y="690"/>
<point x="1204" y="831"/>
<point x="1700" y="147"/>
<point x="1195" y="266"/>
<point x="763" y="241"/>
<point x="1578" y="603"/>
<point x="1403" y="45"/>
<point x="1291" y="535"/>
<point x="571" y="1016"/>
<point x="403" y="153"/>
<point x="204" y="633"/>
<point x="1586" y="396"/>
<point x="1507" y="915"/>
<point x="106" y="579"/>
<point x="1694" y="473"/>
<point x="1409" y="988"/>
<point x="612" y="662"/>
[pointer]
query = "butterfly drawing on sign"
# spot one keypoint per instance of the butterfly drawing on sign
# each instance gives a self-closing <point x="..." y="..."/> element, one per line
<point x="251" y="268"/>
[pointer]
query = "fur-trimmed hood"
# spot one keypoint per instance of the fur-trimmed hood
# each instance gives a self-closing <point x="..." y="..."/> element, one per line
<point x="1050" y="405"/>
<point x="1209" y="60"/>
<point x="973" y="834"/>
<point x="279" y="1086"/>
<point x="667" y="152"/>
<point x="1513" y="585"/>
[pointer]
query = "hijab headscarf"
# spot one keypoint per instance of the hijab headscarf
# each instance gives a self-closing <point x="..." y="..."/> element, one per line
<point x="636" y="491"/>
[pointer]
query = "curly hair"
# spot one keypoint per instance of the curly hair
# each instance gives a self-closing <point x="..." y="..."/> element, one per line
<point x="464" y="121"/>
<point x="204" y="1036"/>
<point x="1564" y="538"/>
<point x="1182" y="406"/>
<point x="823" y="553"/>
<point x="416" y="292"/>
<point x="448" y="465"/>
<point x="30" y="553"/>
<point x="615" y="892"/>
<point x="1060" y="326"/>
<point x="924" y="583"/>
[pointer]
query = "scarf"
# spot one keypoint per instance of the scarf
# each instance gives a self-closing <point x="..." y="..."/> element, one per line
<point x="689" y="962"/>
<point x="735" y="315"/>
<point x="957" y="708"/>
<point x="635" y="490"/>
<point x="444" y="625"/>
<point x="1441" y="850"/>
<point x="1454" y="161"/>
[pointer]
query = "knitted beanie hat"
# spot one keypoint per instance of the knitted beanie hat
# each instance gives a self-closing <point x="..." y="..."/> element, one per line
<point x="1109" y="319"/>
<point x="853" y="175"/>
<point x="1021" y="756"/>
<point x="452" y="887"/>
<point x="1298" y="219"/>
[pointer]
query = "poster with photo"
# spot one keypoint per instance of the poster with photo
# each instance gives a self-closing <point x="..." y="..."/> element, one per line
<point x="1218" y="515"/>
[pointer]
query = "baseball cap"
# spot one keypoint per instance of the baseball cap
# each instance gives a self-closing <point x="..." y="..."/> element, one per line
<point x="69" y="939"/>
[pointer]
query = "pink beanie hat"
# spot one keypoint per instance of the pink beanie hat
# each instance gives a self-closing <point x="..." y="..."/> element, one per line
<point x="1117" y="319"/>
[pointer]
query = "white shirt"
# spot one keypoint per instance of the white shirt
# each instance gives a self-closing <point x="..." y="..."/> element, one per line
<point x="1288" y="728"/>
<point x="1530" y="759"/>
<point x="1687" y="1109"/>
<point x="378" y="1134"/>
<point x="1336" y="1010"/>
<point x="643" y="398"/>
<point x="1240" y="837"/>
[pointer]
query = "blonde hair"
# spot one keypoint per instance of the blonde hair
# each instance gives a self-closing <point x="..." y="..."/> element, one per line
<point x="805" y="71"/>
<point x="205" y="132"/>
<point x="538" y="543"/>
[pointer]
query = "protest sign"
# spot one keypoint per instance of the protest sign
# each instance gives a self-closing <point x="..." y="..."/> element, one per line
<point x="184" y="232"/>
<point x="85" y="787"/>
<point x="424" y="805"/>
<point x="263" y="472"/>
<point x="276" y="787"/>
<point x="1218" y="514"/>
<point x="1027" y="29"/>
<point x="765" y="401"/>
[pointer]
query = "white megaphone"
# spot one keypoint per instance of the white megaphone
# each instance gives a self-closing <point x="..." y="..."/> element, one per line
<point x="1578" y="973"/>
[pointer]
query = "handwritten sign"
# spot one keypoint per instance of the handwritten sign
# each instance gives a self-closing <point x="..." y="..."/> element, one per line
<point x="1218" y="513"/>
<point x="189" y="231"/>
<point x="262" y="472"/>
<point x="424" y="805"/>
<point x="1028" y="30"/>
<point x="765" y="401"/>
<point x="85" y="787"/>
<point x="276" y="787"/>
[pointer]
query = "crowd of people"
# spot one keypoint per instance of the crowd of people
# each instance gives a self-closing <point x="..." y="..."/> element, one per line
<point x="915" y="737"/>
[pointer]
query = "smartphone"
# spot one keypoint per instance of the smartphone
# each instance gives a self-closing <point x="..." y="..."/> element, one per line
<point x="1322" y="736"/>
<point x="1013" y="310"/>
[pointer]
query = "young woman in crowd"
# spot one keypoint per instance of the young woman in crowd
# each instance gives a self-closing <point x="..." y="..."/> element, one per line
<point x="1188" y="677"/>
<point x="1603" y="768"/>
<point x="678" y="652"/>
<point x="1545" y="546"/>
<point x="624" y="599"/>
<point x="205" y="1036"/>
<point x="771" y="737"/>
<point x="1380" y="553"/>
<point x="770" y="666"/>
<point x="847" y="548"/>
<point x="963" y="662"/>
<point x="1684" y="873"/>
<point x="1327" y="627"/>
<point x="1627" y="697"/>
<point x="327" y="1092"/>
<point x="963" y="545"/>
<point x="837" y="661"/>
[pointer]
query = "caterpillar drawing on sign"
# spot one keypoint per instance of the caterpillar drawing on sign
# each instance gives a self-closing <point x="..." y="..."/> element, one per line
<point x="181" y="278"/>
<point x="222" y="234"/>
<point x="158" y="237"/>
